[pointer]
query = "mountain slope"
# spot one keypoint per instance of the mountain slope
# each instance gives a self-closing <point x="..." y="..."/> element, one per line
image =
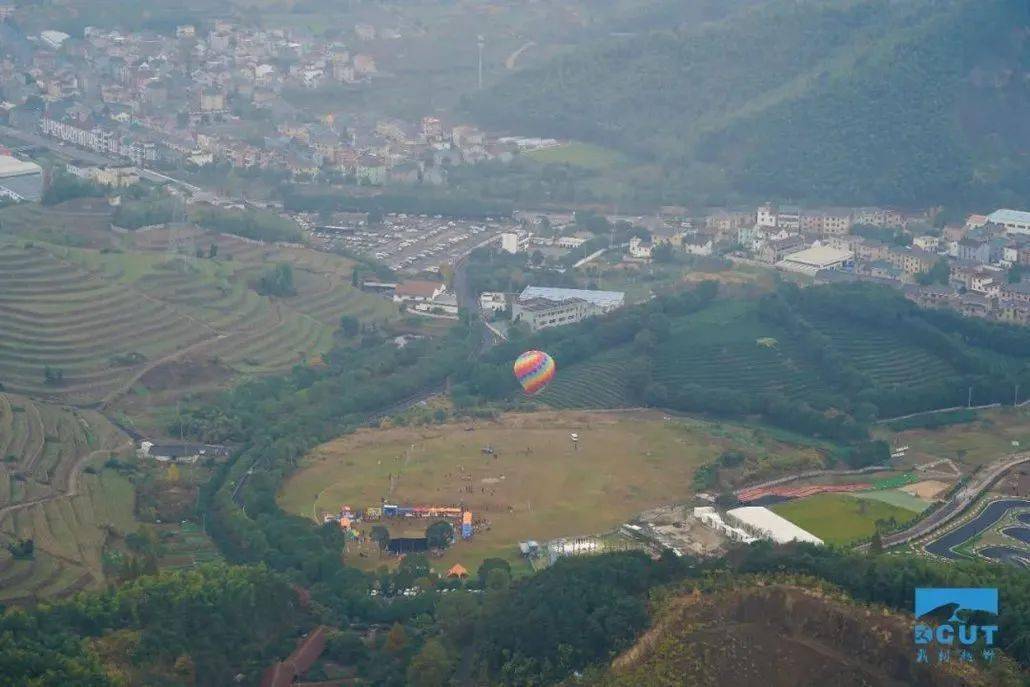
<point x="864" y="101"/>
<point x="782" y="634"/>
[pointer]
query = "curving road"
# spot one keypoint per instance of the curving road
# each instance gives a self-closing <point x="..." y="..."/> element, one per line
<point x="957" y="504"/>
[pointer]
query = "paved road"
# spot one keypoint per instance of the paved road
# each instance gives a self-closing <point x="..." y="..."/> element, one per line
<point x="958" y="503"/>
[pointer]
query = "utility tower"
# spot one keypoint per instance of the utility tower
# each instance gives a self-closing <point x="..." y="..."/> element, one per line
<point x="480" y="42"/>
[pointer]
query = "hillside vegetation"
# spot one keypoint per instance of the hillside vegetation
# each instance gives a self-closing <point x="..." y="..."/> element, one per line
<point x="823" y="361"/>
<point x="867" y="101"/>
<point x="768" y="634"/>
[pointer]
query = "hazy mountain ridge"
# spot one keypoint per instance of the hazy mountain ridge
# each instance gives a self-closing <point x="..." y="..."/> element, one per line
<point x="869" y="101"/>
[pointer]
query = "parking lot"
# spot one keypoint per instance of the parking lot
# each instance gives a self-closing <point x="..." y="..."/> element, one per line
<point x="410" y="243"/>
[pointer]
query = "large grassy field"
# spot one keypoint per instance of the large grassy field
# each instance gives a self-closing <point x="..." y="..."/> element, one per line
<point x="840" y="518"/>
<point x="536" y="486"/>
<point x="105" y="318"/>
<point x="586" y="155"/>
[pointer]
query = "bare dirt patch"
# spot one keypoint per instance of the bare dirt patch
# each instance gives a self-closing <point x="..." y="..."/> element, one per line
<point x="183" y="374"/>
<point x="928" y="489"/>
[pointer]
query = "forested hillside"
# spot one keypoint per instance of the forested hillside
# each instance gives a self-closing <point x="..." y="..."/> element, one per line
<point x="861" y="102"/>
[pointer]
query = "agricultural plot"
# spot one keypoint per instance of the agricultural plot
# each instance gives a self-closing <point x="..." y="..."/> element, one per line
<point x="535" y="483"/>
<point x="601" y="382"/>
<point x="81" y="326"/>
<point x="888" y="360"/>
<point x="716" y="348"/>
<point x="185" y="546"/>
<point x="841" y="518"/>
<point x="47" y="498"/>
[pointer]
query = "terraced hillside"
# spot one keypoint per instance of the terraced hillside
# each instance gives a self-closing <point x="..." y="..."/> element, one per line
<point x="84" y="326"/>
<point x="728" y="346"/>
<point x="46" y="497"/>
<point x="601" y="382"/>
<point x="888" y="360"/>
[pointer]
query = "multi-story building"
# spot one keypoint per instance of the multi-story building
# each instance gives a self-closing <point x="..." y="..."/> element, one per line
<point x="541" y="313"/>
<point x="766" y="215"/>
<point x="911" y="260"/>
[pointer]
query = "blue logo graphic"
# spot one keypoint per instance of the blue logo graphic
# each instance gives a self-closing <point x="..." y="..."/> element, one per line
<point x="964" y="598"/>
<point x="940" y="638"/>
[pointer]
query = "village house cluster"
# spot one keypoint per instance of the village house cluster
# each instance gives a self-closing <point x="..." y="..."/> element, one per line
<point x="225" y="95"/>
<point x="980" y="268"/>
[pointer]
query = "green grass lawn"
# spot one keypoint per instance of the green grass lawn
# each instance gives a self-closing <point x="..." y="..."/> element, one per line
<point x="586" y="155"/>
<point x="895" y="497"/>
<point x="840" y="518"/>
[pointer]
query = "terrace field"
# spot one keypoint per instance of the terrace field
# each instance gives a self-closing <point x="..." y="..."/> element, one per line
<point x="728" y="346"/>
<point x="85" y="326"/>
<point x="536" y="485"/>
<point x="46" y="496"/>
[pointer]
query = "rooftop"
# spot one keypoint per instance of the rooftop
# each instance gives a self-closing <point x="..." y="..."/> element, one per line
<point x="545" y="304"/>
<point x="13" y="167"/>
<point x="1004" y="216"/>
<point x="599" y="298"/>
<point x="777" y="528"/>
<point x="819" y="256"/>
<point x="421" y="289"/>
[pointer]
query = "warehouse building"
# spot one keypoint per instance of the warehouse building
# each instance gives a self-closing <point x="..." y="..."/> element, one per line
<point x="812" y="260"/>
<point x="1014" y="221"/>
<point x="762" y="522"/>
<point x="20" y="179"/>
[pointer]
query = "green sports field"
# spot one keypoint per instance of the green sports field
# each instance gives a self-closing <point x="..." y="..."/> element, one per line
<point x="840" y="518"/>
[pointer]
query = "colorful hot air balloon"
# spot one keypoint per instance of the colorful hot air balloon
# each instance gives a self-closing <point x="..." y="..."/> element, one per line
<point x="534" y="370"/>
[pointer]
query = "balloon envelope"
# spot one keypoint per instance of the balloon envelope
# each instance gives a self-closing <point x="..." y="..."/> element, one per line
<point x="534" y="370"/>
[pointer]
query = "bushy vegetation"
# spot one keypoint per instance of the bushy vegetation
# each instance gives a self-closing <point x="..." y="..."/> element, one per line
<point x="277" y="281"/>
<point x="261" y="225"/>
<point x="66" y="187"/>
<point x="173" y="627"/>
<point x="136" y="213"/>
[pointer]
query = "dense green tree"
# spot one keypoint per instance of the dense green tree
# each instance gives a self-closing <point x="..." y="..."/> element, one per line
<point x="439" y="534"/>
<point x="431" y="666"/>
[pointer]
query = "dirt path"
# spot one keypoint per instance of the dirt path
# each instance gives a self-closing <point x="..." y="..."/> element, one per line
<point x="30" y="464"/>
